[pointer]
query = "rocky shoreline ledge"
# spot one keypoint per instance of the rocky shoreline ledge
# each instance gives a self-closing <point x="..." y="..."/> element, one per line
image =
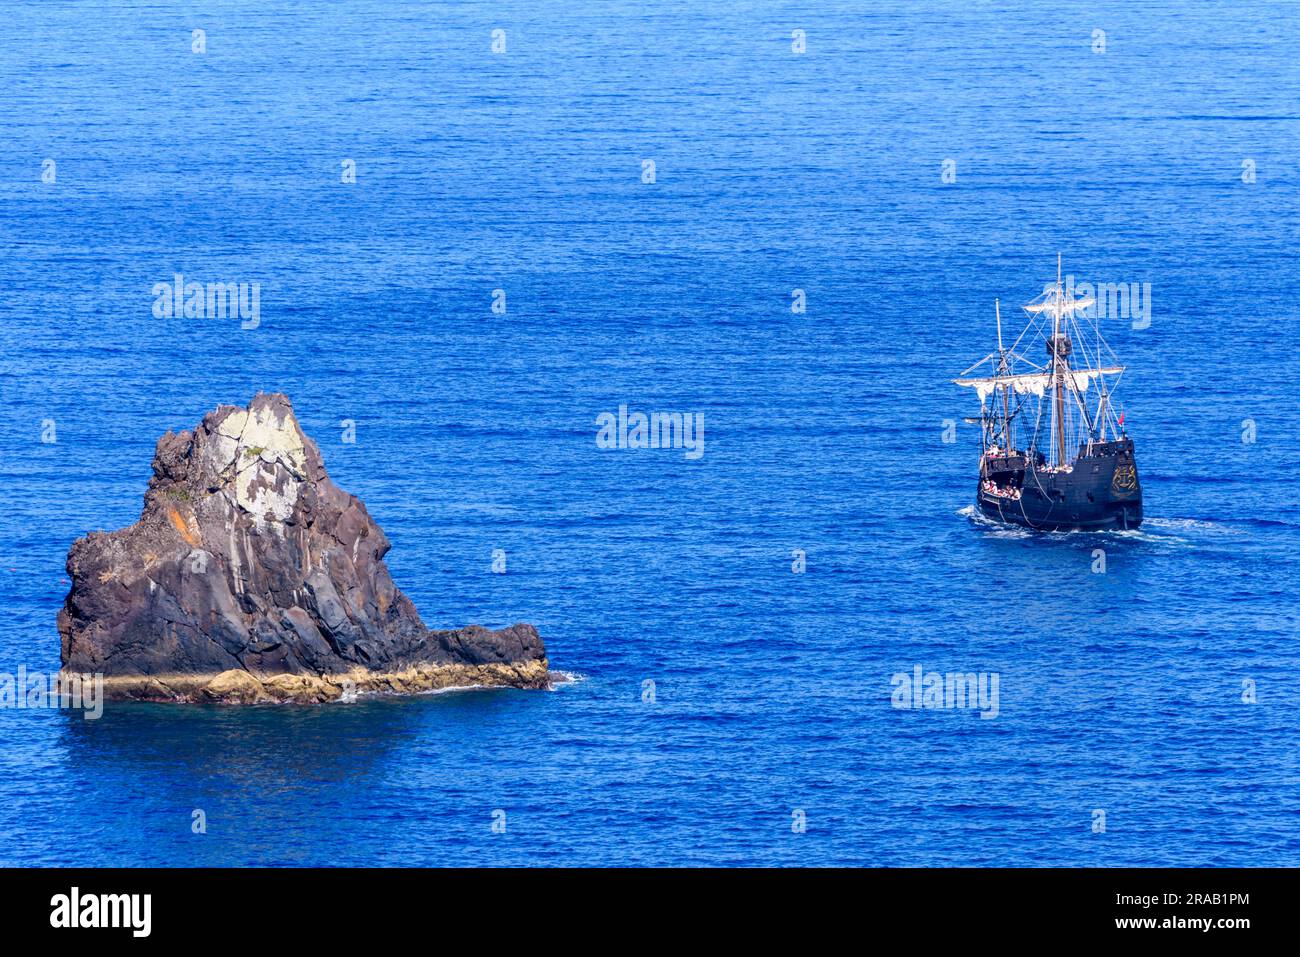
<point x="244" y="687"/>
<point x="251" y="577"/>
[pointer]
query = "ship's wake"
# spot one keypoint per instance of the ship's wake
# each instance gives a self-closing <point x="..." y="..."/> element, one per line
<point x="993" y="528"/>
<point x="1176" y="532"/>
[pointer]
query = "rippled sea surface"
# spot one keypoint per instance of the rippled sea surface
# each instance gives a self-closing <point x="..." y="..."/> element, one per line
<point x="774" y="171"/>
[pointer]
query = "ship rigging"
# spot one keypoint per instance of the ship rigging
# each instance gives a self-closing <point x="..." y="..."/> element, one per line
<point x="1055" y="452"/>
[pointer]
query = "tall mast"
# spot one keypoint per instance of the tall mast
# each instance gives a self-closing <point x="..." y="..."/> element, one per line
<point x="1103" y="406"/>
<point x="1002" y="369"/>
<point x="1057" y="377"/>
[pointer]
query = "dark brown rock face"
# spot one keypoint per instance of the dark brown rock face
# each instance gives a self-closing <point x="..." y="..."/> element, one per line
<point x="248" y="559"/>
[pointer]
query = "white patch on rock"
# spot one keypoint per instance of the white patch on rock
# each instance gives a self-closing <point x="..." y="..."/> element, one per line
<point x="222" y="447"/>
<point x="219" y="454"/>
<point x="276" y="439"/>
<point x="232" y="426"/>
<point x="270" y="465"/>
<point x="236" y="573"/>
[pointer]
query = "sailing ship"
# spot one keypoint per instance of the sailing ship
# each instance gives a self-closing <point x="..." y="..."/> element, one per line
<point x="1055" y="454"/>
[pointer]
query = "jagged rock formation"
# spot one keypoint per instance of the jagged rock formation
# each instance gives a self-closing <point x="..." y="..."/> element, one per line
<point x="251" y="576"/>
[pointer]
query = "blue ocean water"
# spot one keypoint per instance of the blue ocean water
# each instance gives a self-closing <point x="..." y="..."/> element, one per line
<point x="824" y="431"/>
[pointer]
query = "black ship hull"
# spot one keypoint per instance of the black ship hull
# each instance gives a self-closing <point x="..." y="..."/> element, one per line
<point x="1099" y="491"/>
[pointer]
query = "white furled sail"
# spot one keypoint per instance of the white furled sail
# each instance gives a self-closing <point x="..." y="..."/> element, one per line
<point x="1058" y="304"/>
<point x="1033" y="383"/>
<point x="1081" y="379"/>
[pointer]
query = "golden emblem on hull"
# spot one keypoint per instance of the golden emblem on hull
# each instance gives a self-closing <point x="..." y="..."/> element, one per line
<point x="1125" y="480"/>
